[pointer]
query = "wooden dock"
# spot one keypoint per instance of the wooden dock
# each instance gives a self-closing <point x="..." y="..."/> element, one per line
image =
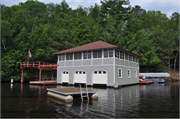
<point x="67" y="94"/>
<point x="43" y="82"/>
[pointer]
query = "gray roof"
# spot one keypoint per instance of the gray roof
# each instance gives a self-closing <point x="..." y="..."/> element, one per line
<point x="154" y="74"/>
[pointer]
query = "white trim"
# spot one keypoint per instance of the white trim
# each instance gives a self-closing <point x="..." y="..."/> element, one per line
<point x="121" y="72"/>
<point x="62" y="75"/>
<point x="114" y="63"/>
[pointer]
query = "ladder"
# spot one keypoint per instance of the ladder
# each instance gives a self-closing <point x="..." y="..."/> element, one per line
<point x="82" y="93"/>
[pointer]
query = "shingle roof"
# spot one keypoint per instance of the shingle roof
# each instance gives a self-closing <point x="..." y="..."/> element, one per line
<point x="91" y="46"/>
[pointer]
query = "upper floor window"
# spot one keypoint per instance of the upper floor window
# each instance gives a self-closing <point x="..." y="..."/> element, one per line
<point x="84" y="55"/>
<point x="77" y="55"/>
<point x="117" y="53"/>
<point x="89" y="55"/>
<point x="105" y="53"/>
<point x="126" y="56"/>
<point x="62" y="57"/>
<point x="94" y="54"/>
<point x="69" y="56"/>
<point x="130" y="57"/>
<point x="121" y="54"/>
<point x="97" y="54"/>
<point x="134" y="58"/>
<point x="108" y="53"/>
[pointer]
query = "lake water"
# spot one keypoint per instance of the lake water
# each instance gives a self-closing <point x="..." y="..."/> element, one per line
<point x="159" y="100"/>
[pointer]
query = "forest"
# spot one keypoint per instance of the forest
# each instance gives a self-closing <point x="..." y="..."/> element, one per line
<point x="49" y="28"/>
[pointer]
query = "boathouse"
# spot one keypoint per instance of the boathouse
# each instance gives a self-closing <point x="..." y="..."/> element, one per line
<point x="97" y="63"/>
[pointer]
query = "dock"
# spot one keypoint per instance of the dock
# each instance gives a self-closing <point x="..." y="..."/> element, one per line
<point x="43" y="82"/>
<point x="67" y="94"/>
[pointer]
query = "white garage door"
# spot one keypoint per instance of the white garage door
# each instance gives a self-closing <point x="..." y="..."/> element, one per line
<point x="65" y="77"/>
<point x="80" y="77"/>
<point x="99" y="77"/>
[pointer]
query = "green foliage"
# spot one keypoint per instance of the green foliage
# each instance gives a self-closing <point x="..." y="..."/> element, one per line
<point x="49" y="28"/>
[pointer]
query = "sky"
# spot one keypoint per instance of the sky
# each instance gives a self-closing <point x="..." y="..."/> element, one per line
<point x="165" y="6"/>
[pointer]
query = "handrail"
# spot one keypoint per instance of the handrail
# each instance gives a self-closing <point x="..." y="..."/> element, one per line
<point x="38" y="64"/>
<point x="86" y="91"/>
<point x="81" y="92"/>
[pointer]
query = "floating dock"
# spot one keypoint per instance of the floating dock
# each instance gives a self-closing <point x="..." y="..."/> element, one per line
<point x="43" y="82"/>
<point x="67" y="94"/>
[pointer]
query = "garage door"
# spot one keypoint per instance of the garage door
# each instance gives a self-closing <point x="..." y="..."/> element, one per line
<point x="80" y="77"/>
<point x="99" y="77"/>
<point x="65" y="77"/>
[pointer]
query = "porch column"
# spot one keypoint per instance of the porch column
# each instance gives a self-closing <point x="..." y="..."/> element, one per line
<point x="22" y="77"/>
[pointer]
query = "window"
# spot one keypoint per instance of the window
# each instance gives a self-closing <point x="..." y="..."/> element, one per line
<point x="104" y="72"/>
<point x="95" y="72"/>
<point x="99" y="72"/>
<point x="94" y="54"/>
<point x="99" y="53"/>
<point x="83" y="72"/>
<point x="130" y="57"/>
<point x="89" y="55"/>
<point x="134" y="58"/>
<point x="121" y="55"/>
<point x="66" y="72"/>
<point x="120" y="73"/>
<point x="126" y="56"/>
<point x="59" y="57"/>
<point x="80" y="72"/>
<point x="135" y="73"/>
<point x="69" y="56"/>
<point x="105" y="53"/>
<point x="111" y="53"/>
<point x="117" y="53"/>
<point x="63" y="57"/>
<point x="77" y="55"/>
<point x="84" y="55"/>
<point x="129" y="73"/>
<point x="76" y="72"/>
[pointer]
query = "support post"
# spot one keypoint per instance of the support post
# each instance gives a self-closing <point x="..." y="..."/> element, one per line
<point x="52" y="74"/>
<point x="22" y="77"/>
<point x="36" y="75"/>
<point x="40" y="74"/>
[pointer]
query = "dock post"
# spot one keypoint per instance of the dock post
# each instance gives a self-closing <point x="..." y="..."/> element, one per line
<point x="36" y="75"/>
<point x="52" y="74"/>
<point x="22" y="77"/>
<point x="40" y="74"/>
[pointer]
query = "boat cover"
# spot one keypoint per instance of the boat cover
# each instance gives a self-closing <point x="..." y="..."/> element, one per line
<point x="154" y="74"/>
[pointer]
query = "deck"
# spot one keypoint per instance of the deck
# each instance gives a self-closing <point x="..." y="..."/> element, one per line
<point x="43" y="82"/>
<point x="38" y="66"/>
<point x="70" y="91"/>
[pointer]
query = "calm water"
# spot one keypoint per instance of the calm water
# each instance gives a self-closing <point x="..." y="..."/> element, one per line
<point x="141" y="101"/>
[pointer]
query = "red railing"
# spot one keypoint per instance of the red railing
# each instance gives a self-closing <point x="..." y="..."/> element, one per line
<point x="38" y="65"/>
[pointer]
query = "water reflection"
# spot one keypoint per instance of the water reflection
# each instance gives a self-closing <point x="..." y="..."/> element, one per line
<point x="156" y="100"/>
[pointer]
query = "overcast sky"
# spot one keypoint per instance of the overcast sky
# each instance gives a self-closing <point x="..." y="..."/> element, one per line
<point x="165" y="6"/>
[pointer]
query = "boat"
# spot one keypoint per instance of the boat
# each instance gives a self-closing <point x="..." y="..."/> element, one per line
<point x="156" y="80"/>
